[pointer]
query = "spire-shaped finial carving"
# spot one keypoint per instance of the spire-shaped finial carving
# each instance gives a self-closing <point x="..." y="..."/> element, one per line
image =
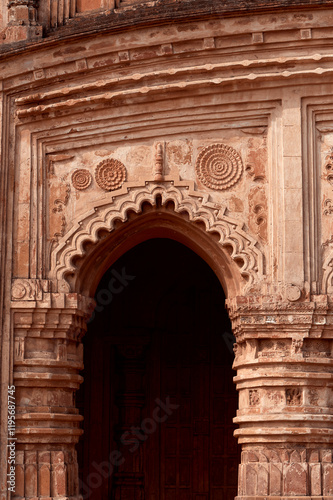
<point x="158" y="167"/>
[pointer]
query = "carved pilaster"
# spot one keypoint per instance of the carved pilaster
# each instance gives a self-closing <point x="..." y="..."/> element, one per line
<point x="47" y="359"/>
<point x="284" y="377"/>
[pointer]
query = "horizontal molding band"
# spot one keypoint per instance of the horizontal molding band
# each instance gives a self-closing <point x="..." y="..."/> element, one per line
<point x="181" y="85"/>
<point x="102" y="84"/>
<point x="61" y="417"/>
<point x="283" y="417"/>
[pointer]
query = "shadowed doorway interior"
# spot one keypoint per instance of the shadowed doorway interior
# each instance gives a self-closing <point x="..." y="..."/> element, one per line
<point x="158" y="397"/>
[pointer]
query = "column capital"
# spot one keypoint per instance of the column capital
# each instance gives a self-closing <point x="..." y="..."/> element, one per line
<point x="260" y="316"/>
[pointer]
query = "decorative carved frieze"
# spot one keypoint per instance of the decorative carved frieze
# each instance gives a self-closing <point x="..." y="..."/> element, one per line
<point x="270" y="348"/>
<point x="317" y="348"/>
<point x="328" y="207"/>
<point x="294" y="396"/>
<point x="286" y="471"/>
<point x="256" y="155"/>
<point x="58" y="199"/>
<point x="327" y="282"/>
<point x="46" y="474"/>
<point x="313" y="397"/>
<point x="29" y="289"/>
<point x="258" y="212"/>
<point x="296" y="346"/>
<point x="254" y="398"/>
<point x="326" y="229"/>
<point x="329" y="167"/>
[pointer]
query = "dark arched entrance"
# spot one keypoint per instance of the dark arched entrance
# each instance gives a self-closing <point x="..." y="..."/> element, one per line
<point x="158" y="398"/>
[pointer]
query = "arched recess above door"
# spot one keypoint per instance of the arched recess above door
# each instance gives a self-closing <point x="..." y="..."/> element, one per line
<point x="179" y="212"/>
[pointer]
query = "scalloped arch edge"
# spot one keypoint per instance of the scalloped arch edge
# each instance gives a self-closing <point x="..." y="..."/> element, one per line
<point x="245" y="248"/>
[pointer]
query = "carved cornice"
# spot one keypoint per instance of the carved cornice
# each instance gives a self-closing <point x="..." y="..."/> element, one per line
<point x="164" y="12"/>
<point x="211" y="75"/>
<point x="131" y="198"/>
<point x="105" y="83"/>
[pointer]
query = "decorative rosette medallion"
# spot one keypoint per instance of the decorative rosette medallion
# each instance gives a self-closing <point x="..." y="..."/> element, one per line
<point x="219" y="166"/>
<point x="18" y="290"/>
<point x="81" y="179"/>
<point x="110" y="174"/>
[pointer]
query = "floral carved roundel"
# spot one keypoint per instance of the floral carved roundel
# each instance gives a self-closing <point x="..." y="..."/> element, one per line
<point x="110" y="174"/>
<point x="219" y="166"/>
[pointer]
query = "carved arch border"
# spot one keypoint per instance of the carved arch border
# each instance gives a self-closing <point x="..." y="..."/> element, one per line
<point x="130" y="197"/>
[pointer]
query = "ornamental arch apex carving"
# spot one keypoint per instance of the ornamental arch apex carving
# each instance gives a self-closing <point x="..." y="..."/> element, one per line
<point x="239" y="249"/>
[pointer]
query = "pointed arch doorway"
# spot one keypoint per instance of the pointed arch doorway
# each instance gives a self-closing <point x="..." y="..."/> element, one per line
<point x="158" y="397"/>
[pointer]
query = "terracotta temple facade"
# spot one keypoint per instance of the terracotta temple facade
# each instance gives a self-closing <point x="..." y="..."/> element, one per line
<point x="166" y="178"/>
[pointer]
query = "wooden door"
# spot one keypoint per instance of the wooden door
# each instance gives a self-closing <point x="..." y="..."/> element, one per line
<point x="174" y="352"/>
<point x="197" y="452"/>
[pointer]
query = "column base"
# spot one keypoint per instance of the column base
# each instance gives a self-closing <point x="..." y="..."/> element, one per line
<point x="284" y="498"/>
<point x="76" y="497"/>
